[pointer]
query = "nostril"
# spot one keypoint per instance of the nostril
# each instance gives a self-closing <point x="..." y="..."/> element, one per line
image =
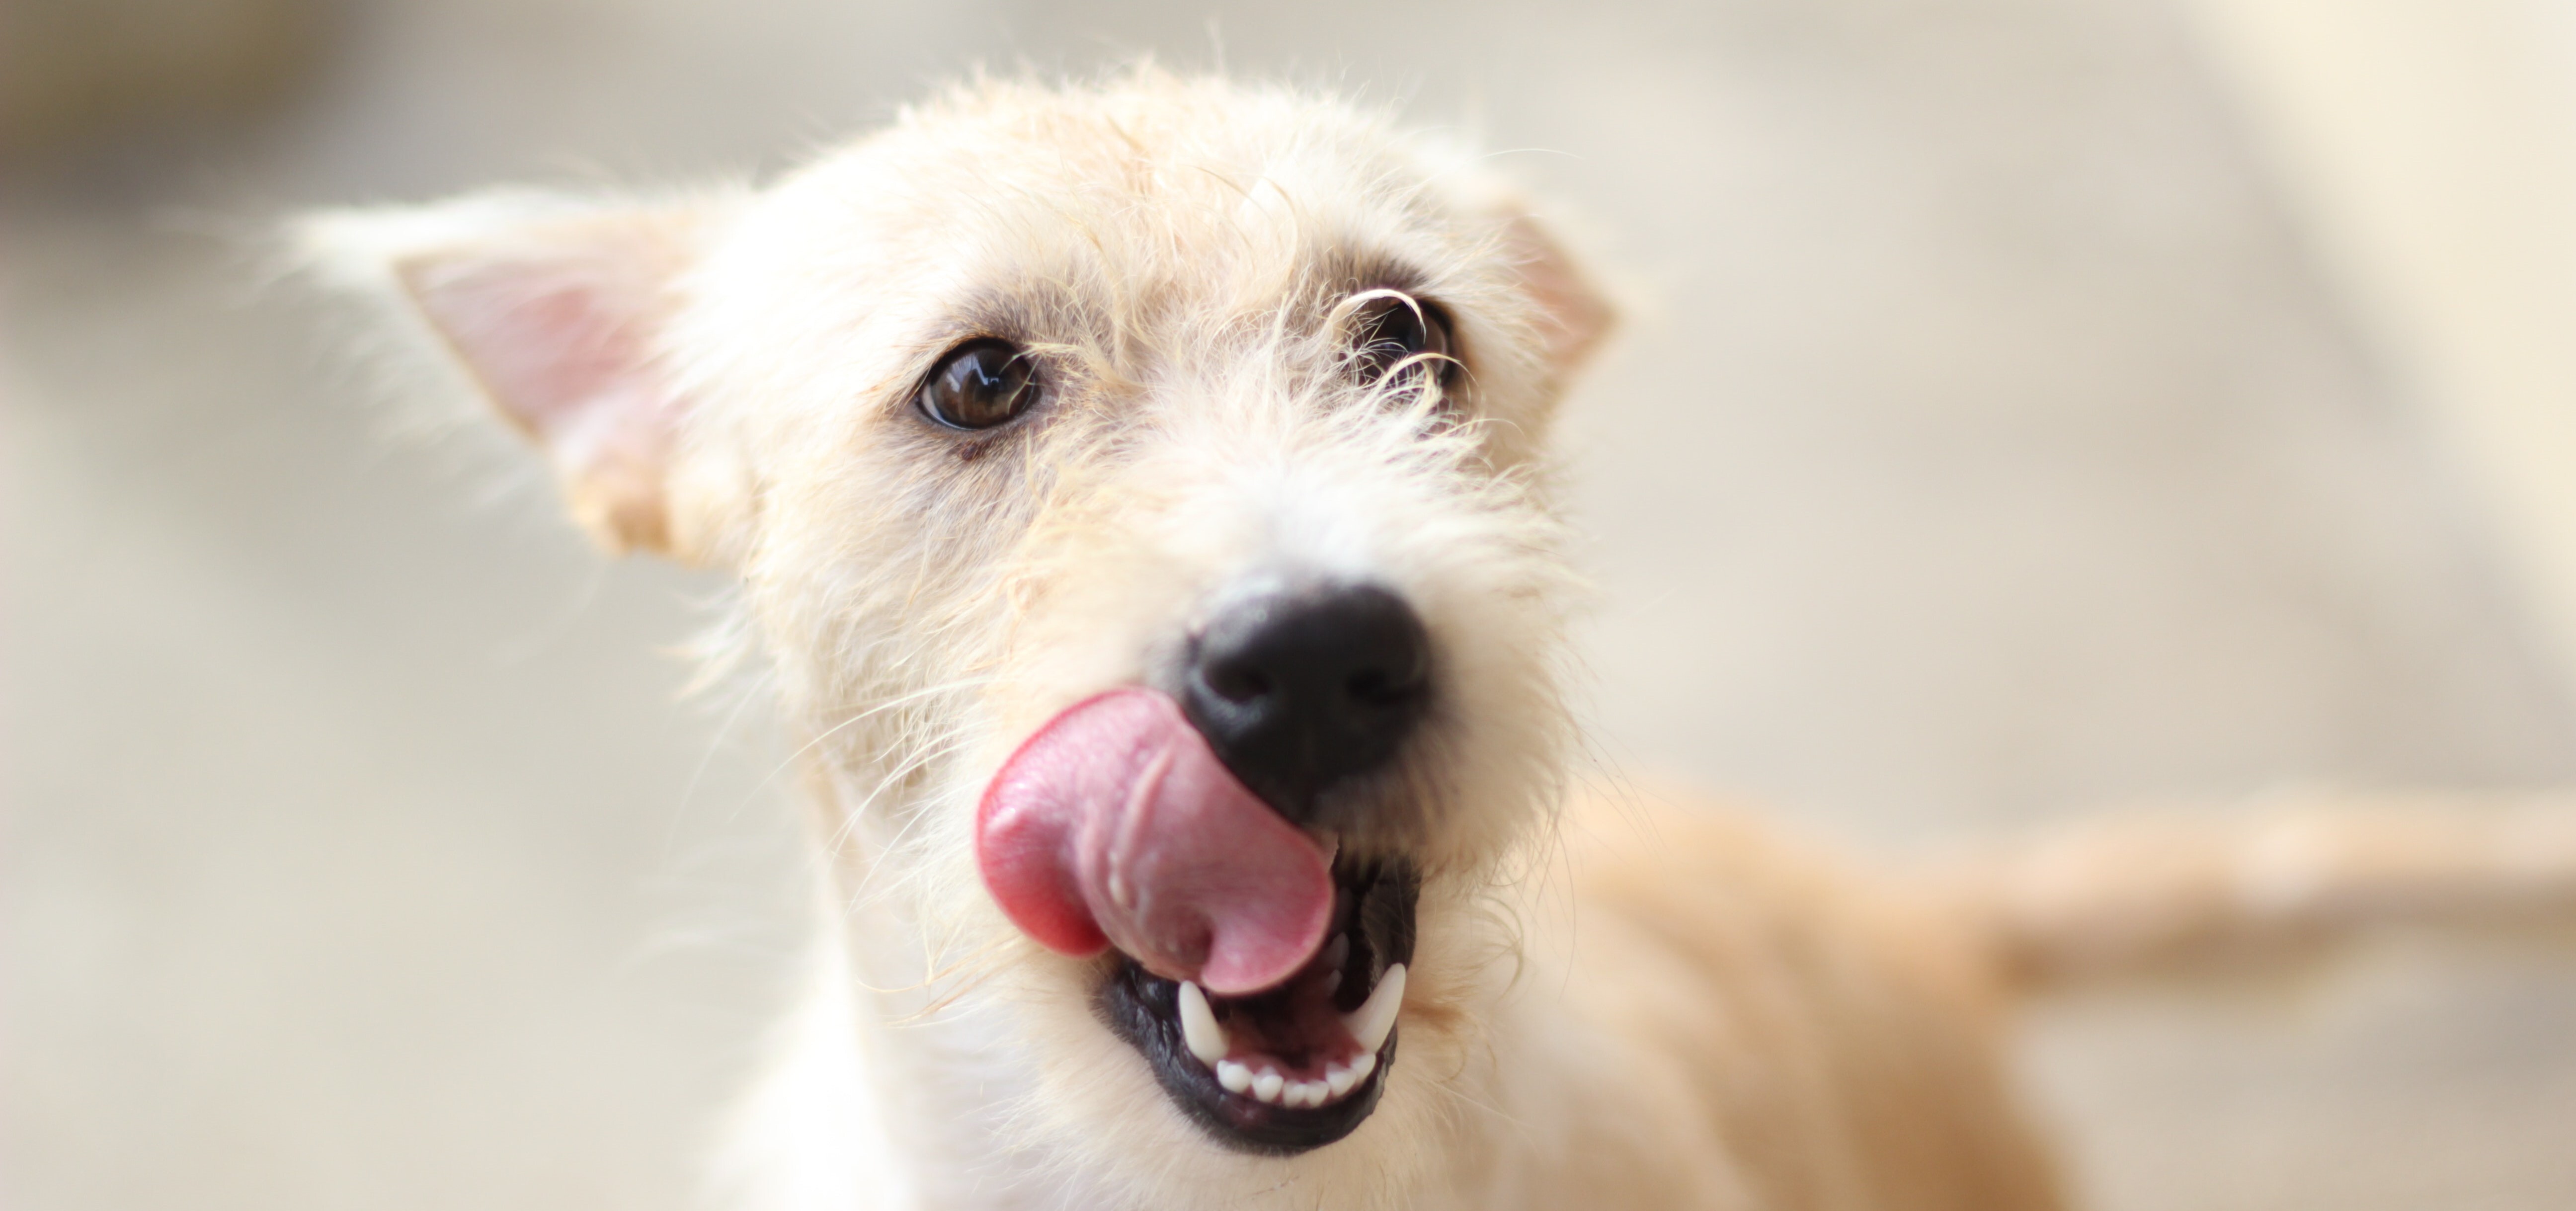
<point x="1377" y="687"/>
<point x="1237" y="684"/>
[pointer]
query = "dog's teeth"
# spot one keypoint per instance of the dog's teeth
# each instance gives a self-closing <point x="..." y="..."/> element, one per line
<point x="1375" y="1018"/>
<point x="1234" y="1076"/>
<point x="1199" y="1027"/>
<point x="1267" y="1085"/>
<point x="1339" y="953"/>
<point x="1306" y="1094"/>
<point x="1340" y="1078"/>
<point x="1361" y="1067"/>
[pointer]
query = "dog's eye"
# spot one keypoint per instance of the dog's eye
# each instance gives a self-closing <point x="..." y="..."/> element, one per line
<point x="979" y="384"/>
<point x="1390" y="328"/>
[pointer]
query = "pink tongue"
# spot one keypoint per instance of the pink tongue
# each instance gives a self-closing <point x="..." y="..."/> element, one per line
<point x="1115" y="824"/>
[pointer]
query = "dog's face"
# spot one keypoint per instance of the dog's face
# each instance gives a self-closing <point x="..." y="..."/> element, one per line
<point x="1134" y="493"/>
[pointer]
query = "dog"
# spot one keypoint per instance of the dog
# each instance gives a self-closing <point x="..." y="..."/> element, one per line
<point x="1141" y="500"/>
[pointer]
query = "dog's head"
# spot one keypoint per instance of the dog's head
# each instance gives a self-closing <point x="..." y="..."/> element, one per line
<point x="1136" y="498"/>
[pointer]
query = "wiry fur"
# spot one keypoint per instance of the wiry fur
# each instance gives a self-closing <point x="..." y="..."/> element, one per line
<point x="1629" y="1007"/>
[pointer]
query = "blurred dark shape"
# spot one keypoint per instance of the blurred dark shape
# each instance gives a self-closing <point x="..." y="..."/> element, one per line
<point x="76" y="70"/>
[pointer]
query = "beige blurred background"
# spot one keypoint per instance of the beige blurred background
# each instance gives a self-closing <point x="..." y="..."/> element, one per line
<point x="2039" y="406"/>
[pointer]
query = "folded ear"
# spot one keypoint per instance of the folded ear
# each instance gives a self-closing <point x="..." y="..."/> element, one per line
<point x="1574" y="316"/>
<point x="559" y="311"/>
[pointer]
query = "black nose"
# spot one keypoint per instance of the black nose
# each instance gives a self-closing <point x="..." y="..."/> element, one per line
<point x="1299" y="689"/>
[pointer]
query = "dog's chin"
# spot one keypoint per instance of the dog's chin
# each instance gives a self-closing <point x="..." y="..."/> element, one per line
<point x="1296" y="1071"/>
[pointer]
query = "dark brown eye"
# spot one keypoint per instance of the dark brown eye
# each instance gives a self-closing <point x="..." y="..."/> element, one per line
<point x="979" y="384"/>
<point x="1390" y="328"/>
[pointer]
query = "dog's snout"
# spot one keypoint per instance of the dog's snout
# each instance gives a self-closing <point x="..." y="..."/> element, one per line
<point x="1299" y="689"/>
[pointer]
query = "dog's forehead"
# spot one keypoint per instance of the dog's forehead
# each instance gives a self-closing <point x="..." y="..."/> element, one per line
<point x="1162" y="232"/>
<point x="1216" y="198"/>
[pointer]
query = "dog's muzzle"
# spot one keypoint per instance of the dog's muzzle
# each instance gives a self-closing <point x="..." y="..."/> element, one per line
<point x="1258" y="967"/>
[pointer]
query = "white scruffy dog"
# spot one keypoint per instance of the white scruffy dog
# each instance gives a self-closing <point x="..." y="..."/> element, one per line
<point x="1138" y="493"/>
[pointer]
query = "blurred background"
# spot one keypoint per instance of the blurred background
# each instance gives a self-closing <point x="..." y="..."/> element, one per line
<point x="2035" y="407"/>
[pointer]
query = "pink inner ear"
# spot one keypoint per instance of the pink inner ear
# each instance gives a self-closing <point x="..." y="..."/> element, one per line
<point x="1576" y="316"/>
<point x="552" y="358"/>
<point x="565" y="351"/>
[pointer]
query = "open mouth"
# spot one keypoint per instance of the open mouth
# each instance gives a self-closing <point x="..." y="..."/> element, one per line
<point x="1296" y="1066"/>
<point x="1259" y="968"/>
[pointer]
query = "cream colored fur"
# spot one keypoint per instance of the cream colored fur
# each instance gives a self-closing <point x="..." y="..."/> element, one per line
<point x="1615" y="1003"/>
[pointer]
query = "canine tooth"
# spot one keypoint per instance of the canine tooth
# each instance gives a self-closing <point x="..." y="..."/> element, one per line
<point x="1267" y="1085"/>
<point x="1340" y="1079"/>
<point x="1235" y="1076"/>
<point x="1199" y="1027"/>
<point x="1375" y="1018"/>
